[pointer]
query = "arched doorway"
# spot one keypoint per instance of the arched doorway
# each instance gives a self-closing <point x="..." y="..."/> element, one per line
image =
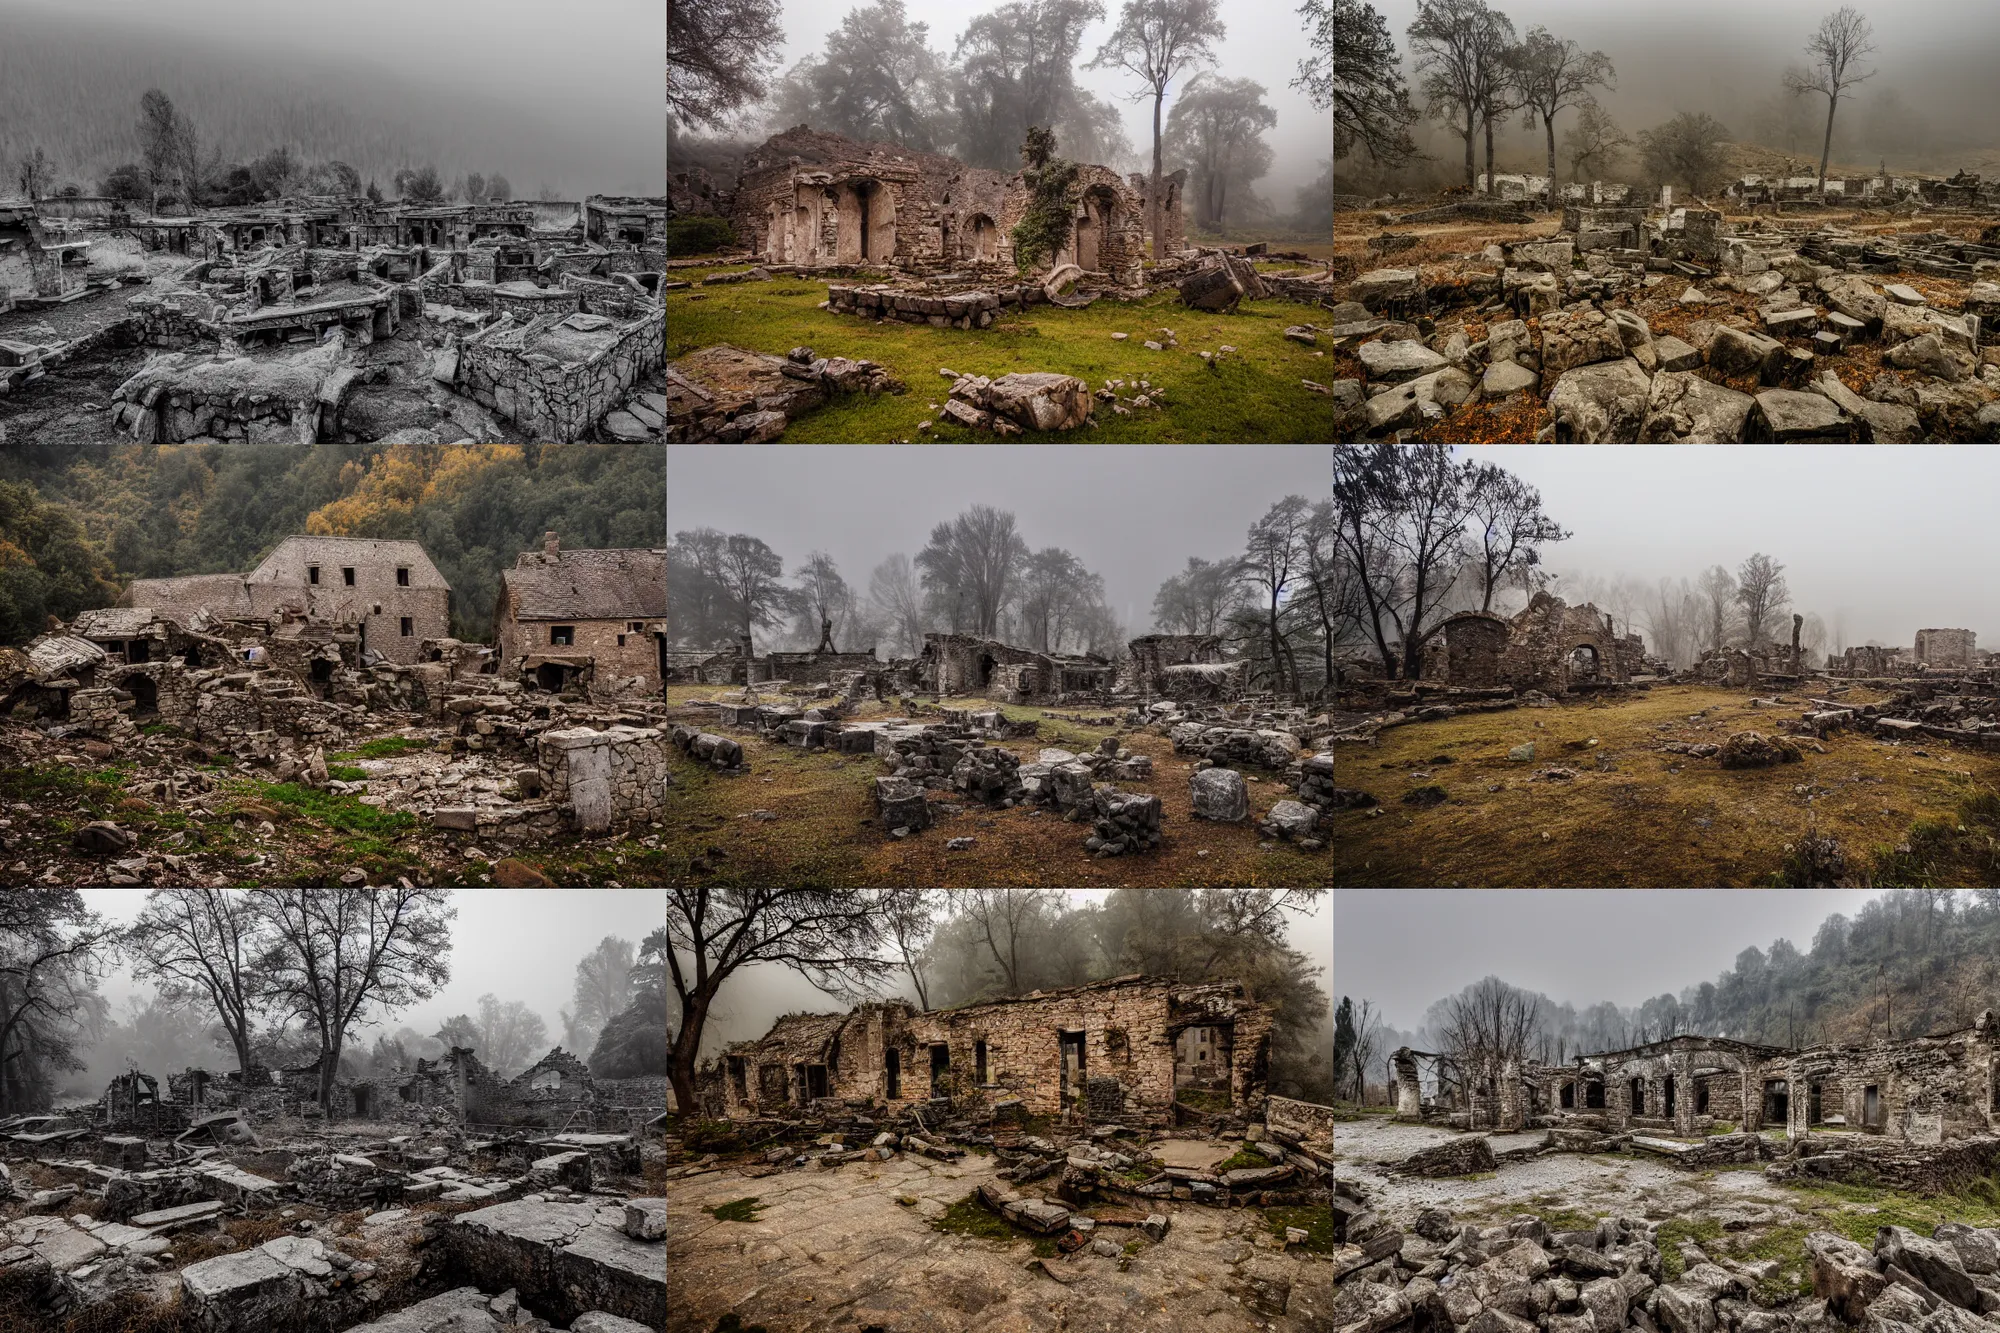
<point x="1099" y="221"/>
<point x="1583" y="663"/>
<point x="984" y="237"/>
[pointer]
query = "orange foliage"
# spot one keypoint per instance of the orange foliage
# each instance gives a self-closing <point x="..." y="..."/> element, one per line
<point x="404" y="477"/>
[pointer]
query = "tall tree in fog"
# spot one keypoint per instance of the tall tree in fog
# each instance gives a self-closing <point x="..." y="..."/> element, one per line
<point x="634" y="1042"/>
<point x="49" y="947"/>
<point x="1449" y="40"/>
<point x="1554" y="73"/>
<point x="1687" y="148"/>
<point x="1158" y="40"/>
<point x="1196" y="600"/>
<point x="825" y="601"/>
<point x="878" y="80"/>
<point x="1354" y="70"/>
<point x="1401" y="514"/>
<point x="702" y="613"/>
<point x="912" y="922"/>
<point x="753" y="580"/>
<point x="1837" y="49"/>
<point x="35" y="174"/>
<point x="831" y="937"/>
<point x="1500" y="93"/>
<point x="1273" y="560"/>
<point x="969" y="567"/>
<point x="1718" y="594"/>
<point x="893" y="592"/>
<point x="719" y="56"/>
<point x="511" y="1035"/>
<point x="334" y="954"/>
<point x="171" y="147"/>
<point x="204" y="944"/>
<point x="1051" y="596"/>
<point x="1511" y="528"/>
<point x="1217" y="126"/>
<point x="1016" y="67"/>
<point x="1594" y="142"/>
<point x="1761" y="592"/>
<point x="1000" y="920"/>
<point x="601" y="988"/>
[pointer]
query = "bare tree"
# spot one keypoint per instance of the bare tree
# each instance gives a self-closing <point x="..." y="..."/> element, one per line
<point x="1717" y="587"/>
<point x="969" y="567"/>
<point x="1356" y="72"/>
<point x="48" y="947"/>
<point x="510" y="1034"/>
<point x="893" y="591"/>
<point x="1367" y="1041"/>
<point x="824" y="598"/>
<point x="1449" y="39"/>
<point x="1844" y="37"/>
<point x="1595" y="141"/>
<point x="1553" y="73"/>
<point x="1272" y="559"/>
<point x="1001" y="917"/>
<point x="204" y="942"/>
<point x="912" y="922"/>
<point x="831" y="937"/>
<point x="333" y="953"/>
<point x="1499" y="91"/>
<point x="1487" y="1028"/>
<point x="1761" y="592"/>
<point x="1512" y="526"/>
<point x="719" y="55"/>
<point x="601" y="989"/>
<point x="751" y="574"/>
<point x="1159" y="40"/>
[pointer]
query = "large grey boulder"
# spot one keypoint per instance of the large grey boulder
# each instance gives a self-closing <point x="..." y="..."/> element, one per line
<point x="900" y="803"/>
<point x="1507" y="339"/>
<point x="1580" y="339"/>
<point x="1382" y="286"/>
<point x="1398" y="361"/>
<point x="1852" y="296"/>
<point x="1505" y="377"/>
<point x="1041" y="400"/>
<point x="1932" y="1262"/>
<point x="1291" y="819"/>
<point x="1786" y="416"/>
<point x="1220" y="794"/>
<point x="1927" y="355"/>
<point x="1674" y="354"/>
<point x="1685" y="408"/>
<point x="1600" y="404"/>
<point x="1735" y="351"/>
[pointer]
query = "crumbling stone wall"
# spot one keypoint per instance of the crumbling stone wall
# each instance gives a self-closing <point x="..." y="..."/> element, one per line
<point x="606" y="778"/>
<point x="1473" y="643"/>
<point x="553" y="399"/>
<point x="1945" y="648"/>
<point x="1151" y="654"/>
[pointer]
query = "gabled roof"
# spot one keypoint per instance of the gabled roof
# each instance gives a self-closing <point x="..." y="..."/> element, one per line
<point x="179" y="598"/>
<point x="588" y="585"/>
<point x="113" y="622"/>
<point x="287" y="563"/>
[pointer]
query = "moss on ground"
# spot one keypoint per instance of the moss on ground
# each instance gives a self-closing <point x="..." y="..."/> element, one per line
<point x="384" y="747"/>
<point x="1243" y="1159"/>
<point x="970" y="1217"/>
<point x="1254" y="394"/>
<point x="1637" y="815"/>
<point x="1700" y="1229"/>
<point x="1316" y="1221"/>
<point x="736" y="1210"/>
<point x="1203" y="1099"/>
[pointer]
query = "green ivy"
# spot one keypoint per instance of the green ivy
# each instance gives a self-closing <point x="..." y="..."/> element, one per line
<point x="1045" y="227"/>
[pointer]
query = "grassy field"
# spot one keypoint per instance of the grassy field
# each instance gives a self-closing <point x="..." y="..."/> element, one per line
<point x="1253" y="395"/>
<point x="821" y="800"/>
<point x="1914" y="813"/>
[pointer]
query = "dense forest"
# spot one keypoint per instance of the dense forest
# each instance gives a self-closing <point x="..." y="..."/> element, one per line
<point x="1910" y="963"/>
<point x="72" y="89"/>
<point x="77" y="525"/>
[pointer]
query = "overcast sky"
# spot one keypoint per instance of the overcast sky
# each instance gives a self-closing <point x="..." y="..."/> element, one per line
<point x="1132" y="513"/>
<point x="755" y="996"/>
<point x="517" y="944"/>
<point x="1264" y="42"/>
<point x="583" y="80"/>
<point x="1879" y="540"/>
<point x="1724" y="56"/>
<point x="1407" y="948"/>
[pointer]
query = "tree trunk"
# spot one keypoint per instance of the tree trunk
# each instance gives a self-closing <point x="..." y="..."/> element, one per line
<point x="1471" y="166"/>
<point x="1277" y="650"/>
<point x="1549" y="123"/>
<point x="680" y="1065"/>
<point x="1492" y="178"/>
<point x="1153" y="198"/>
<point x="1826" y="149"/>
<point x="328" y="1067"/>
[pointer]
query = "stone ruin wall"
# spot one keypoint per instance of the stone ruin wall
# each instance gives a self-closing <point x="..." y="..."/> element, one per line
<point x="815" y="668"/>
<point x="1945" y="648"/>
<point x="556" y="401"/>
<point x="608" y="779"/>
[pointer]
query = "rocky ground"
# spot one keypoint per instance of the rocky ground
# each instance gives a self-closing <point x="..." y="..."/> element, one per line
<point x="855" y="1247"/>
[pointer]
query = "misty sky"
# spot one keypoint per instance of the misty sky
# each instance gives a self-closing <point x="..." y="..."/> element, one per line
<point x="517" y="944"/>
<point x="1725" y="56"/>
<point x="1264" y="41"/>
<point x="1132" y="513"/>
<point x="1407" y="948"/>
<point x="588" y="75"/>
<point x="755" y="996"/>
<point x="1879" y="540"/>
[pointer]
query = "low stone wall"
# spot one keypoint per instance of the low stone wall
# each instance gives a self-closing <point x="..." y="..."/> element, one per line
<point x="1936" y="1168"/>
<point x="962" y="310"/>
<point x="553" y="400"/>
<point x="1309" y="1120"/>
<point x="562" y="1259"/>
<point x="605" y="778"/>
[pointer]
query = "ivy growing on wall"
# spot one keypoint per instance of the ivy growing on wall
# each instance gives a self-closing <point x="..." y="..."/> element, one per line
<point x="1045" y="228"/>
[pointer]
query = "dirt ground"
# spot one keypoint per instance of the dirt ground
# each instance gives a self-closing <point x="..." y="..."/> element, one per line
<point x="834" y="1252"/>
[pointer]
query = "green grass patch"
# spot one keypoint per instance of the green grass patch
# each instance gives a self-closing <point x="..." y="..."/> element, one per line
<point x="384" y="747"/>
<point x="1134" y="1246"/>
<point x="1565" y="1219"/>
<point x="1203" y="1099"/>
<point x="343" y="814"/>
<point x="1045" y="1247"/>
<point x="736" y="1210"/>
<point x="345" y="772"/>
<point x="160" y="729"/>
<point x="1700" y="1230"/>
<point x="970" y="1217"/>
<point x="1254" y="394"/>
<point x="1316" y="1221"/>
<point x="1243" y="1159"/>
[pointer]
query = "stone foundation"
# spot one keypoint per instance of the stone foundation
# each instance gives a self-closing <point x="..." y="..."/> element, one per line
<point x="605" y="778"/>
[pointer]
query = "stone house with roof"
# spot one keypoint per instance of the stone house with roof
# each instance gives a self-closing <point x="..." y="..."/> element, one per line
<point x="389" y="590"/>
<point x="592" y="617"/>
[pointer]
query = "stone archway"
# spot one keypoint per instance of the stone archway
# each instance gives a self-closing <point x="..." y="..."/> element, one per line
<point x="1584" y="663"/>
<point x="865" y="213"/>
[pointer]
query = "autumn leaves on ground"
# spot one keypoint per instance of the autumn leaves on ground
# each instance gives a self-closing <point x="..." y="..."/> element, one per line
<point x="1634" y="814"/>
<point x="824" y="832"/>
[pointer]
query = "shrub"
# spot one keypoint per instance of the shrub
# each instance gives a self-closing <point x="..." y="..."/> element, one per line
<point x="698" y="236"/>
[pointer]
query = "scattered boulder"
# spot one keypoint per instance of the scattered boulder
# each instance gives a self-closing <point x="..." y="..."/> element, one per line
<point x="1600" y="404"/>
<point x="1685" y="408"/>
<point x="1753" y="749"/>
<point x="1220" y="794"/>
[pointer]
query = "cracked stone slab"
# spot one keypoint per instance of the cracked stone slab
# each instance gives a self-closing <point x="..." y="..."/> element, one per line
<point x="562" y="1259"/>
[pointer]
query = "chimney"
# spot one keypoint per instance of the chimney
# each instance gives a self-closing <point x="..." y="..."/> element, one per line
<point x="549" y="545"/>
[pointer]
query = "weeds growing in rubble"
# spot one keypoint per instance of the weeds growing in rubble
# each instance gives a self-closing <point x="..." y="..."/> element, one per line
<point x="736" y="1210"/>
<point x="384" y="747"/>
<point x="1316" y="1221"/>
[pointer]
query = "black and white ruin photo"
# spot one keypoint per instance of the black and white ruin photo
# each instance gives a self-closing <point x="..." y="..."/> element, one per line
<point x="1761" y="666"/>
<point x="341" y="1110"/>
<point x="1709" y="221"/>
<point x="405" y="221"/>
<point x="914" y="1111"/>
<point x="986" y="668"/>
<point x="1680" y="1110"/>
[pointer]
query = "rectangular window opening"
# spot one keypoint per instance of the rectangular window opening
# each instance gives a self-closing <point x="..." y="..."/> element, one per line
<point x="940" y="1067"/>
<point x="621" y="641"/>
<point x="978" y="1062"/>
<point x="312" y="574"/>
<point x="402" y="576"/>
<point x="893" y="1061"/>
<point x="347" y="575"/>
<point x="562" y="636"/>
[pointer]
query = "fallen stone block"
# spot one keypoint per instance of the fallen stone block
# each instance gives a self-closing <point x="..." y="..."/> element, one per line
<point x="597" y="1321"/>
<point x="464" y="1310"/>
<point x="175" y="1219"/>
<point x="562" y="1258"/>
<point x="571" y="1169"/>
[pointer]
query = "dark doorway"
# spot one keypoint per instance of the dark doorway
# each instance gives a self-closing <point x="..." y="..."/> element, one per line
<point x="145" y="695"/>
<point x="1583" y="663"/>
<point x="549" y="676"/>
<point x="986" y="665"/>
<point x="1568" y="1096"/>
<point x="139" y="650"/>
<point x="815" y="1081"/>
<point x="1667" y="1097"/>
<point x="978" y="1062"/>
<point x="1813" y="1116"/>
<point x="661" y="640"/>
<point x="771" y="1087"/>
<point x="1638" y="1096"/>
<point x="1593" y="1095"/>
<point x="364" y="1103"/>
<point x="739" y="1078"/>
<point x="322" y="670"/>
<point x="1071" y="1044"/>
<point x="1777" y="1102"/>
<point x="1701" y="1096"/>
<point x="894" y="1062"/>
<point x="1871" y="1107"/>
<point x="940" y="1068"/>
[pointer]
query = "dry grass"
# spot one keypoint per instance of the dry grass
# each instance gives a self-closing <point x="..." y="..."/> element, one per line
<point x="1635" y="814"/>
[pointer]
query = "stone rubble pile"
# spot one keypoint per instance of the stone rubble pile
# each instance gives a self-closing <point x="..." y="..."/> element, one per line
<point x="1266" y="747"/>
<point x="963" y="310"/>
<point x="717" y="752"/>
<point x="1037" y="400"/>
<point x="989" y="775"/>
<point x="1316" y="786"/>
<point x="1125" y="822"/>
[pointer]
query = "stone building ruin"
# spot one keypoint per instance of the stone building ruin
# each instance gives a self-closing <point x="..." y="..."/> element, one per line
<point x="1105" y="1049"/>
<point x="1921" y="1090"/>
<point x="814" y="199"/>
<point x="591" y="617"/>
<point x="1549" y="646"/>
<point x="1945" y="648"/>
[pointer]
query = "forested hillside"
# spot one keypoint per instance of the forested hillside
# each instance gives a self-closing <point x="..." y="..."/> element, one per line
<point x="1909" y="963"/>
<point x="76" y="527"/>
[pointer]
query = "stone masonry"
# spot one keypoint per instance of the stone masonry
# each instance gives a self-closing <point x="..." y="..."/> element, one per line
<point x="607" y="778"/>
